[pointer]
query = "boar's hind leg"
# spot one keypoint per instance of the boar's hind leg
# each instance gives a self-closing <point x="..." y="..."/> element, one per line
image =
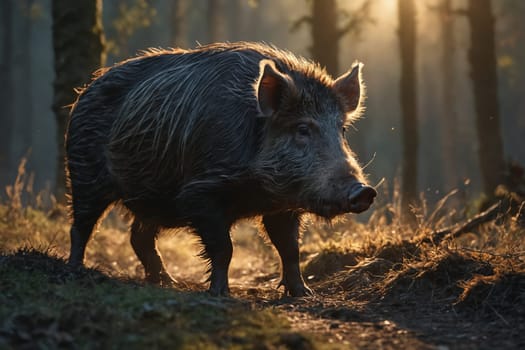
<point x="217" y="244"/>
<point x="283" y="230"/>
<point x="84" y="220"/>
<point x="144" y="243"/>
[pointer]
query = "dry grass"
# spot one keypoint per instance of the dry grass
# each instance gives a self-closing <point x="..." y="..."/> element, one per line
<point x="364" y="273"/>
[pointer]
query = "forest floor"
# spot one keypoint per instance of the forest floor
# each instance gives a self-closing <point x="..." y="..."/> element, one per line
<point x="377" y="285"/>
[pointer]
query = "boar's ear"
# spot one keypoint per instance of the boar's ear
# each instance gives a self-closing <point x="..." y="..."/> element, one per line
<point x="350" y="88"/>
<point x="271" y="88"/>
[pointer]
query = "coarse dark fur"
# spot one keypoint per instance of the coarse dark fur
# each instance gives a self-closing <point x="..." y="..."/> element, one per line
<point x="203" y="137"/>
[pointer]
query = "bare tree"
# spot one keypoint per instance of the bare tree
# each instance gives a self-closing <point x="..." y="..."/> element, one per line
<point x="234" y="19"/>
<point x="214" y="18"/>
<point x="23" y="125"/>
<point x="482" y="58"/>
<point x="449" y="118"/>
<point x="178" y="13"/>
<point x="6" y="81"/>
<point x="326" y="33"/>
<point x="407" y="41"/>
<point x="325" y="36"/>
<point x="78" y="43"/>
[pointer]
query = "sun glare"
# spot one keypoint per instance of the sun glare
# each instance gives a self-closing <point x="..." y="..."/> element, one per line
<point x="388" y="5"/>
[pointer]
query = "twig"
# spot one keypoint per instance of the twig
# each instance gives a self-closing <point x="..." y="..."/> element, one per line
<point x="440" y="204"/>
<point x="457" y="230"/>
<point x="506" y="255"/>
<point x="497" y="313"/>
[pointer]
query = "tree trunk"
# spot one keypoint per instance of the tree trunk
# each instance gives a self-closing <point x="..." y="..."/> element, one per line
<point x="407" y="41"/>
<point x="214" y="13"/>
<point x="448" y="94"/>
<point x="482" y="58"/>
<point x="78" y="44"/>
<point x="178" y="23"/>
<point x="234" y="20"/>
<point x="23" y="126"/>
<point x="6" y="92"/>
<point x="325" y="36"/>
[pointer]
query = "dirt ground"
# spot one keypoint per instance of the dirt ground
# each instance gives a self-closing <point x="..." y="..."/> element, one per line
<point x="389" y="294"/>
<point x="419" y="309"/>
<point x="458" y="300"/>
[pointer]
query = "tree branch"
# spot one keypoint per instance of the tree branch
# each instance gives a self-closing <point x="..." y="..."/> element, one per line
<point x="298" y="23"/>
<point x="359" y="17"/>
<point x="457" y="230"/>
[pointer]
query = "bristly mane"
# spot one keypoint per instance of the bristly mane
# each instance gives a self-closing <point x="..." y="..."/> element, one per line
<point x="165" y="117"/>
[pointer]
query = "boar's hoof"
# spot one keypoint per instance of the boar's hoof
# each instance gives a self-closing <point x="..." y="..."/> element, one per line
<point x="75" y="264"/>
<point x="219" y="286"/>
<point x="296" y="289"/>
<point x="214" y="291"/>
<point x="163" y="279"/>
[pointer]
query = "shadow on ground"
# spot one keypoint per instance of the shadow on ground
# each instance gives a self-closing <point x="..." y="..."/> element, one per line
<point x="406" y="295"/>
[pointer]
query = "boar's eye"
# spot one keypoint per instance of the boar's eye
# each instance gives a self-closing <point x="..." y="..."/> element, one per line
<point x="302" y="132"/>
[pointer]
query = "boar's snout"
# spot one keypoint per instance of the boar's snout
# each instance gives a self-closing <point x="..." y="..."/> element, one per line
<point x="360" y="197"/>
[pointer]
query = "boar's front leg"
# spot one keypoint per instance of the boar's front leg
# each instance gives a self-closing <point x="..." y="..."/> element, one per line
<point x="283" y="230"/>
<point x="217" y="247"/>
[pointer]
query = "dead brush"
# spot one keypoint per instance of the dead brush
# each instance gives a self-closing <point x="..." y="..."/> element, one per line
<point x="15" y="191"/>
<point x="439" y="261"/>
<point x="21" y="197"/>
<point x="25" y="216"/>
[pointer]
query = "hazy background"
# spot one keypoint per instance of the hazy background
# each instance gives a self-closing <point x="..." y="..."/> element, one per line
<point x="131" y="25"/>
